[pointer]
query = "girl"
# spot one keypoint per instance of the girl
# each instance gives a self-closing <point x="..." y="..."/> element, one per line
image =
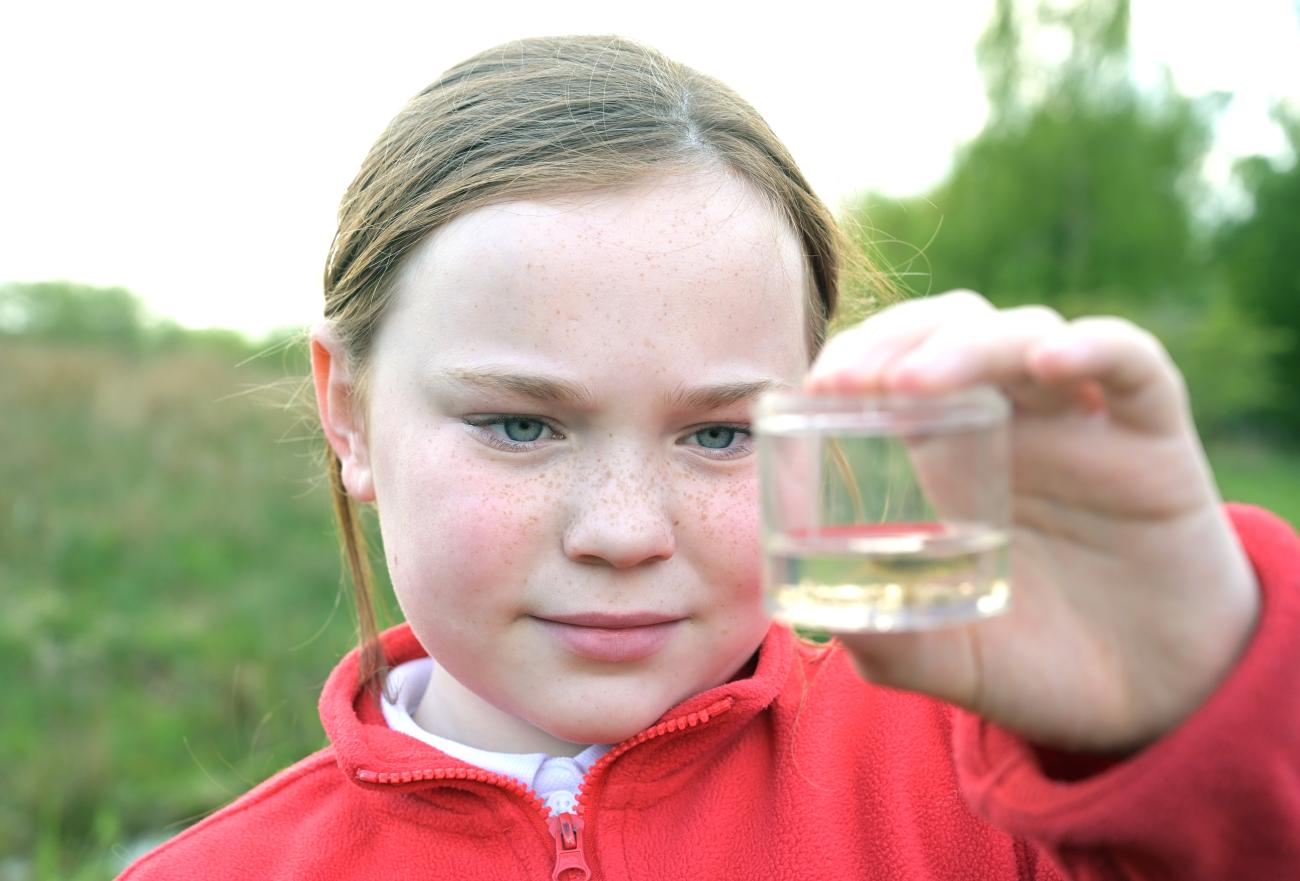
<point x="560" y="279"/>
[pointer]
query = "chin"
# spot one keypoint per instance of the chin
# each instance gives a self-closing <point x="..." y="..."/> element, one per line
<point x="601" y="730"/>
<point x="607" y="722"/>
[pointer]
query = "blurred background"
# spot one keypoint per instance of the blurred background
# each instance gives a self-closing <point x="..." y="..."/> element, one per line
<point x="169" y="585"/>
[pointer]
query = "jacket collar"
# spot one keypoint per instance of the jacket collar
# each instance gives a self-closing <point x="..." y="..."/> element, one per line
<point x="370" y="753"/>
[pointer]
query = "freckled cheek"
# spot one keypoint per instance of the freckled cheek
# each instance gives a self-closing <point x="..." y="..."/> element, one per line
<point x="458" y="540"/>
<point x="495" y="532"/>
<point x="729" y="527"/>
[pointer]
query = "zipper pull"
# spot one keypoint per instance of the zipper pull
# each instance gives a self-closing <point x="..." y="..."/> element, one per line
<point x="569" y="857"/>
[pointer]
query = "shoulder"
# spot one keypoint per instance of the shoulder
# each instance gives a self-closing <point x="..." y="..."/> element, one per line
<point x="250" y="833"/>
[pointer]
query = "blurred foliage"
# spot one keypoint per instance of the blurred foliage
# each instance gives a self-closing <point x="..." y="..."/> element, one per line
<point x="1080" y="194"/>
<point x="1262" y="262"/>
<point x="71" y="313"/>
<point x="170" y="584"/>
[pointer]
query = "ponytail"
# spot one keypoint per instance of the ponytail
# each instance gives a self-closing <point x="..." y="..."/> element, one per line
<point x="356" y="560"/>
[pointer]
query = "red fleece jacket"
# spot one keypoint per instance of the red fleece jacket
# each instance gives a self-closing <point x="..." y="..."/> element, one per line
<point x="801" y="771"/>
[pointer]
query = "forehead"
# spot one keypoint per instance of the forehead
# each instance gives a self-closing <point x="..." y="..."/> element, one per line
<point x="684" y="266"/>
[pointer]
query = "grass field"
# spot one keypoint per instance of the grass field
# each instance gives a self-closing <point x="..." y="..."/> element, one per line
<point x="171" y="593"/>
<point x="170" y="583"/>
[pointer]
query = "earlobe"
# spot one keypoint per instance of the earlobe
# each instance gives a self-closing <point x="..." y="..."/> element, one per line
<point x="339" y="406"/>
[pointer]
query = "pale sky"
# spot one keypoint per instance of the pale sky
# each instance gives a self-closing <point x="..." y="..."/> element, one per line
<point x="196" y="154"/>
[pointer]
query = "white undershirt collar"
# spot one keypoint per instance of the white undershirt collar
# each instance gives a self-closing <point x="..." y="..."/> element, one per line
<point x="555" y="778"/>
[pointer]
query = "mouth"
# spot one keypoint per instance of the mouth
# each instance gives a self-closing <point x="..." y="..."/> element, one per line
<point x="601" y="636"/>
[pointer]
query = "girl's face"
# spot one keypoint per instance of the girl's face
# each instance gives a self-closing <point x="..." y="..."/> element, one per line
<point x="557" y="441"/>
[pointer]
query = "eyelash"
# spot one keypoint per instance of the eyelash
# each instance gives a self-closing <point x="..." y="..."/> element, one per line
<point x="732" y="452"/>
<point x="501" y="443"/>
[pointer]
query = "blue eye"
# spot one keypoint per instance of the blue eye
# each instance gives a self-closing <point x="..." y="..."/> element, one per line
<point x="513" y="433"/>
<point x="722" y="441"/>
<point x="716" y="437"/>
<point x="522" y="430"/>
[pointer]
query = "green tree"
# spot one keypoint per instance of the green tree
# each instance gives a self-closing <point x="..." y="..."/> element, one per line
<point x="1260" y="260"/>
<point x="1077" y="194"/>
<point x="69" y="312"/>
<point x="1077" y="184"/>
<point x="114" y="318"/>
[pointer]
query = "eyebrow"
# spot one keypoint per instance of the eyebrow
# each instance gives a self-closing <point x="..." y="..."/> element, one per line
<point x="554" y="390"/>
<point x="527" y="385"/>
<point x="713" y="397"/>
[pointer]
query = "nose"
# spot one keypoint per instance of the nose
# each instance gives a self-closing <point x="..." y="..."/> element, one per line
<point x="621" y="516"/>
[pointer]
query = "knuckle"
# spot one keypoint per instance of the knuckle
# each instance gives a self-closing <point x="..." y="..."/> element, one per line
<point x="1036" y="315"/>
<point x="965" y="298"/>
<point x="1146" y="339"/>
<point x="849" y="336"/>
<point x="1113" y="326"/>
<point x="842" y="344"/>
<point x="1126" y="332"/>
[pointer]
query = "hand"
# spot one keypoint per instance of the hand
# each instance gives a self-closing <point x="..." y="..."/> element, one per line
<point x="1131" y="597"/>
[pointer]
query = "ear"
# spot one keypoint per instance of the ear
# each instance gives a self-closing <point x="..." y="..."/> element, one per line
<point x="341" y="416"/>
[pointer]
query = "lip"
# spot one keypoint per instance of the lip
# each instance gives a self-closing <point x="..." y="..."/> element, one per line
<point x="600" y="636"/>
<point x="612" y="620"/>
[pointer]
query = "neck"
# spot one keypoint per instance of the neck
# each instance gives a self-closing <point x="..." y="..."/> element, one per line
<point x="449" y="709"/>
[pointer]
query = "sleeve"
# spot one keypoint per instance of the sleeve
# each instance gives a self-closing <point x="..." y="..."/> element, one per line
<point x="1218" y="797"/>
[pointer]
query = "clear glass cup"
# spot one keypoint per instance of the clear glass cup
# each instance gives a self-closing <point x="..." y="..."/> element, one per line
<point x="885" y="512"/>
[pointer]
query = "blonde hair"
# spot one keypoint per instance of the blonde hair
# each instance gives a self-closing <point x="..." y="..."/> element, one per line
<point x="532" y="118"/>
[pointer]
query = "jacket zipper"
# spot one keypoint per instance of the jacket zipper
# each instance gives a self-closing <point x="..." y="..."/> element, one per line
<point x="565" y="828"/>
<point x="569" y="854"/>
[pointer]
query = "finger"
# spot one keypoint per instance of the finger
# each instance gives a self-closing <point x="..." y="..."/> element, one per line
<point x="988" y="349"/>
<point x="1141" y="385"/>
<point x="852" y="360"/>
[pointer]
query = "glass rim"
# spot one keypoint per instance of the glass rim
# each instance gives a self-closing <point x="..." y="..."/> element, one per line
<point x="974" y="405"/>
